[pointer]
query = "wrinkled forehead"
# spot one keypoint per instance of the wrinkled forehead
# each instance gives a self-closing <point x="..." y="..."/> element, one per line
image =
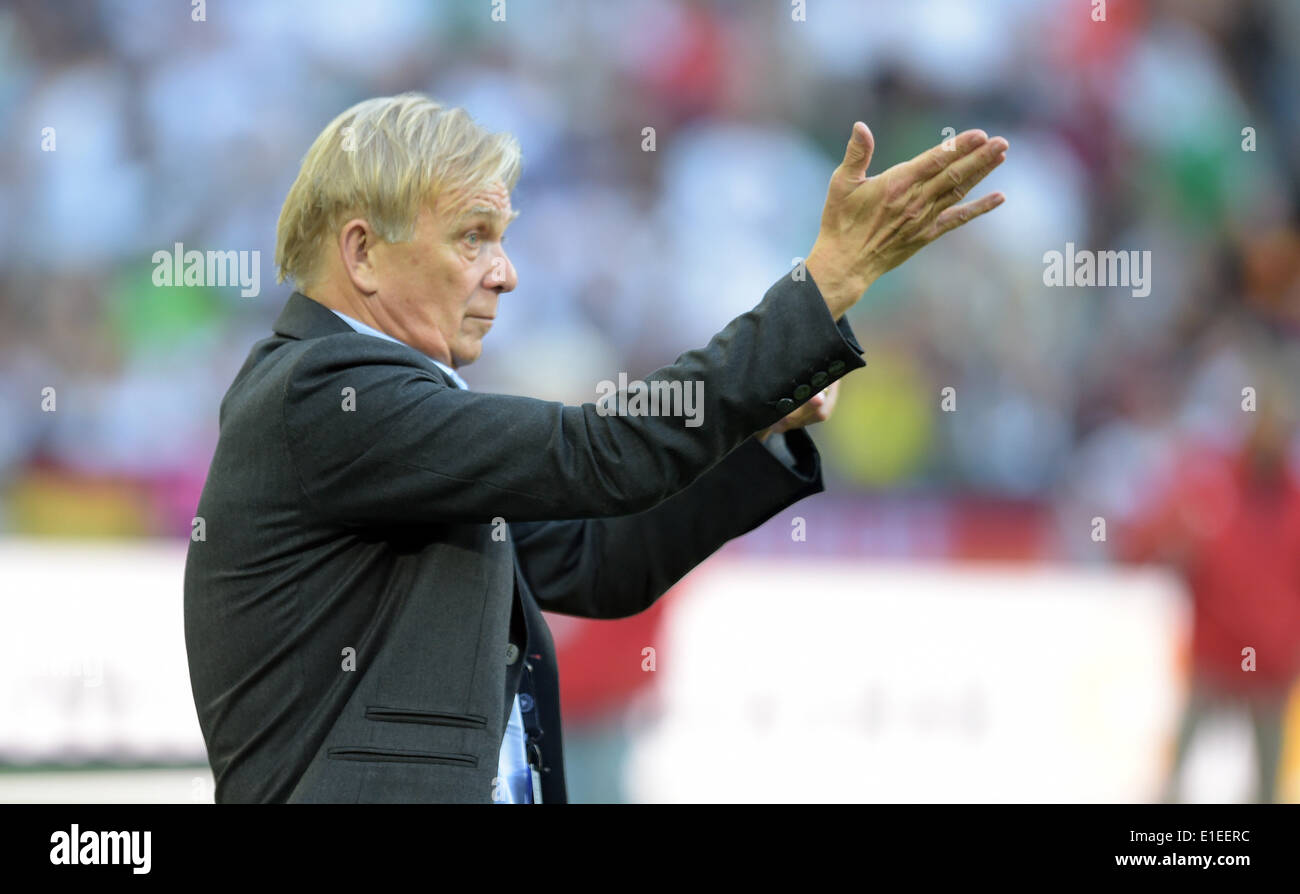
<point x="492" y="202"/>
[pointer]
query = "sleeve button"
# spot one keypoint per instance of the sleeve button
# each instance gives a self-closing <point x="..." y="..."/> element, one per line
<point x="802" y="393"/>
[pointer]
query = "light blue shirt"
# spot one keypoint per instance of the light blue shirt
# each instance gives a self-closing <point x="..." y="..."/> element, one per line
<point x="512" y="760"/>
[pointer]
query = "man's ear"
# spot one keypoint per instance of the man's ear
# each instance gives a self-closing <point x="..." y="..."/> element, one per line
<point x="357" y="242"/>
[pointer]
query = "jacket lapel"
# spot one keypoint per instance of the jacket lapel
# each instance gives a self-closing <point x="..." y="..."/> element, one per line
<point x="306" y="318"/>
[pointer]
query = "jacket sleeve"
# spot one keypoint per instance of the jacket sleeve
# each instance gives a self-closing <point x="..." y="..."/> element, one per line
<point x="616" y="567"/>
<point x="402" y="446"/>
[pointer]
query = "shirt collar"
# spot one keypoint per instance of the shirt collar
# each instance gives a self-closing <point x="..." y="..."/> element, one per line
<point x="370" y="330"/>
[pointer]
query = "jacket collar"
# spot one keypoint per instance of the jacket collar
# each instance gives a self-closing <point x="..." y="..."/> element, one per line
<point x="304" y="317"/>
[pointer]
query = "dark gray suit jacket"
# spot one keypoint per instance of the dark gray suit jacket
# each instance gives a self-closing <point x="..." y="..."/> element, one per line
<point x="365" y="601"/>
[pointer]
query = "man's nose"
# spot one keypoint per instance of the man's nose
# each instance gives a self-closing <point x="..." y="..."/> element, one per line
<point x="501" y="275"/>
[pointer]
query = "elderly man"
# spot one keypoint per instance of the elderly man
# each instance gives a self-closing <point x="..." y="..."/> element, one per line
<point x="363" y="616"/>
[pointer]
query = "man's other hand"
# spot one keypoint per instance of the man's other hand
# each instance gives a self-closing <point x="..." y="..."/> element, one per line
<point x="818" y="409"/>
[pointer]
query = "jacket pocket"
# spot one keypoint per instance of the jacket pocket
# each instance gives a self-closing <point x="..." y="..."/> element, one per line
<point x="434" y="718"/>
<point x="382" y="755"/>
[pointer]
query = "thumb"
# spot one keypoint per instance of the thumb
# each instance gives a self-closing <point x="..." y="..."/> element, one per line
<point x="857" y="157"/>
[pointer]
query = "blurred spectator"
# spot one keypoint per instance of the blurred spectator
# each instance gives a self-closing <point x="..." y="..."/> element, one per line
<point x="1229" y="520"/>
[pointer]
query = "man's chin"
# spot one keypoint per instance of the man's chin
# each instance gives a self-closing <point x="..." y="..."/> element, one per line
<point x="467" y="355"/>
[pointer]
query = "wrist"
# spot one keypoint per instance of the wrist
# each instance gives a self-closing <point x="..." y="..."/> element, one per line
<point x="840" y="291"/>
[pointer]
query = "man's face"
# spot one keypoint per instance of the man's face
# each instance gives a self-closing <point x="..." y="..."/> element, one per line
<point x="438" y="292"/>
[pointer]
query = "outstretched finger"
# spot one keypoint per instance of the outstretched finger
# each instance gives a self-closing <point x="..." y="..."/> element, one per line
<point x="932" y="162"/>
<point x="954" y="217"/>
<point x="957" y="180"/>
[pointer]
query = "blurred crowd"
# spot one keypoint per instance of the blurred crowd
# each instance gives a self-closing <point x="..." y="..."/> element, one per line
<point x="1171" y="127"/>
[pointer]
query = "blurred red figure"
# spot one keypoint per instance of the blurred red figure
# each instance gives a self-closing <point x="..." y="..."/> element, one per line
<point x="1230" y="522"/>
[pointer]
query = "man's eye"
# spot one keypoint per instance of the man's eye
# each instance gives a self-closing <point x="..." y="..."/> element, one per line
<point x="473" y="234"/>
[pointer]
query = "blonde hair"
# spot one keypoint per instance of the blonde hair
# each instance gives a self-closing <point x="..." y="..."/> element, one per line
<point x="382" y="160"/>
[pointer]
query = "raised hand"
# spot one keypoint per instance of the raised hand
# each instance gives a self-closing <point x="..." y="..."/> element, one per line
<point x="870" y="225"/>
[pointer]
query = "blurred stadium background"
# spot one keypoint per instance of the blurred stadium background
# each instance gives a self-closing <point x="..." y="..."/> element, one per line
<point x="950" y="628"/>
